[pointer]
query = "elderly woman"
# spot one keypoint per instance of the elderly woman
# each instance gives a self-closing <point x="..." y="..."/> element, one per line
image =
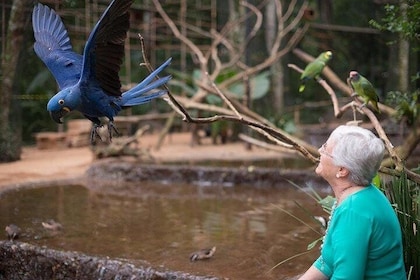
<point x="363" y="238"/>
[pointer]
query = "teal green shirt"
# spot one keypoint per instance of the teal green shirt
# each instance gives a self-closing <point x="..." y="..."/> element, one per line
<point x="363" y="240"/>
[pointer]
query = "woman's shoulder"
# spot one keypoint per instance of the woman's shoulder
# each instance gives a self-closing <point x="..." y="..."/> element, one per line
<point x="367" y="201"/>
<point x="368" y="194"/>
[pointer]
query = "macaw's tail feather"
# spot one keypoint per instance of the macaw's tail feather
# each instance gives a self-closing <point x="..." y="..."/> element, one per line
<point x="143" y="99"/>
<point x="136" y="95"/>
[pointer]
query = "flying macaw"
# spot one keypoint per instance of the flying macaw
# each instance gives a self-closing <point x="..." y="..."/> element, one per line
<point x="314" y="69"/>
<point x="363" y="88"/>
<point x="90" y="83"/>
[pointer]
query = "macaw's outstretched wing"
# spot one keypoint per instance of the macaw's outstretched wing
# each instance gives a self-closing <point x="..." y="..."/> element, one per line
<point x="53" y="47"/>
<point x="104" y="49"/>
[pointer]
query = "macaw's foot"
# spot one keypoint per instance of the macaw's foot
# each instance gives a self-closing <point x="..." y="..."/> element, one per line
<point x="95" y="134"/>
<point x="112" y="129"/>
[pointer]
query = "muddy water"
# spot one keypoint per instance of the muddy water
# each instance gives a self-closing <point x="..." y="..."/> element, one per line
<point x="164" y="223"/>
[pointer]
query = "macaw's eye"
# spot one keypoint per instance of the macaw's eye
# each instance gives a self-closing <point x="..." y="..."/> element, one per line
<point x="61" y="101"/>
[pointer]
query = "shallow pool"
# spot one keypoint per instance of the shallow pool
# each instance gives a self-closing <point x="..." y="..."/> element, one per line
<point x="164" y="223"/>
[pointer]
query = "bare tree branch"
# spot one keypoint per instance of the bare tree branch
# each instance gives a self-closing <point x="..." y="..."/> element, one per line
<point x="178" y="34"/>
<point x="234" y="52"/>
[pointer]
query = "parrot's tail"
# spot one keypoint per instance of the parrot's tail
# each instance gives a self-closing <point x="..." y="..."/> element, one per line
<point x="301" y="87"/>
<point x="375" y="106"/>
<point x="138" y="94"/>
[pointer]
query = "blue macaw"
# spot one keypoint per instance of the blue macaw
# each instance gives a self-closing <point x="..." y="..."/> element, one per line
<point x="90" y="83"/>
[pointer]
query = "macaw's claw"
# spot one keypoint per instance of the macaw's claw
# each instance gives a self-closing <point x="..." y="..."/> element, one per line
<point x="111" y="129"/>
<point x="95" y="134"/>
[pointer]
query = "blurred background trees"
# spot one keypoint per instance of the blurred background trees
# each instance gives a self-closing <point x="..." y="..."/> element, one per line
<point x="378" y="38"/>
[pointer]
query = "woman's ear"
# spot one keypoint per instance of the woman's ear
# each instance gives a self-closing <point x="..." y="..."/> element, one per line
<point x="342" y="172"/>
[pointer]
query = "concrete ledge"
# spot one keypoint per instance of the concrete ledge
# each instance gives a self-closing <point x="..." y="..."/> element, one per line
<point x="22" y="261"/>
<point x="117" y="170"/>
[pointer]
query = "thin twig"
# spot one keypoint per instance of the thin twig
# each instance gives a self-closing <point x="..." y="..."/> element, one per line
<point x="283" y="146"/>
<point x="225" y="99"/>
<point x="172" y="101"/>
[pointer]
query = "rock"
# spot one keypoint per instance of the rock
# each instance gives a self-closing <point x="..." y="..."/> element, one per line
<point x="25" y="261"/>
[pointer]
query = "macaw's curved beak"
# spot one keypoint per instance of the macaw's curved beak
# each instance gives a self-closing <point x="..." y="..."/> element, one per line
<point x="58" y="115"/>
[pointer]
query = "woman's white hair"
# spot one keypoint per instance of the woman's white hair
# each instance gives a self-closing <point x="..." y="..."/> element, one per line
<point x="358" y="150"/>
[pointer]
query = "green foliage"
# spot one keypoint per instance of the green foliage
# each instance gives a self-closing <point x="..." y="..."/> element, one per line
<point x="184" y="82"/>
<point x="402" y="19"/>
<point x="188" y="84"/>
<point x="35" y="117"/>
<point x="288" y="125"/>
<point x="404" y="195"/>
<point x="259" y="86"/>
<point x="406" y="104"/>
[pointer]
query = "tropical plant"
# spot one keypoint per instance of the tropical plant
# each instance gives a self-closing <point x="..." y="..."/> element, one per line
<point x="402" y="19"/>
<point x="404" y="195"/>
<point x="406" y="105"/>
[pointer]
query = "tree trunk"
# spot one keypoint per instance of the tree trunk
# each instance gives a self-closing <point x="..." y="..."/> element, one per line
<point x="325" y="10"/>
<point x="10" y="144"/>
<point x="277" y="82"/>
<point x="403" y="56"/>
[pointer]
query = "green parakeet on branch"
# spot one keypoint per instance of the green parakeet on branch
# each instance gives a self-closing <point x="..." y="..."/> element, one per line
<point x="363" y="88"/>
<point x="314" y="69"/>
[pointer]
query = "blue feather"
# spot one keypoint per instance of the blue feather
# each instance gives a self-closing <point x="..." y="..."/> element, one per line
<point x="135" y="96"/>
<point x="90" y="83"/>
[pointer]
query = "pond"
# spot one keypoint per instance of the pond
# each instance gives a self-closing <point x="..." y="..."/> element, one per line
<point x="163" y="223"/>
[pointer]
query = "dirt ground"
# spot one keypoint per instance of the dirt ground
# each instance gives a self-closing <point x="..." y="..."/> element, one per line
<point x="67" y="163"/>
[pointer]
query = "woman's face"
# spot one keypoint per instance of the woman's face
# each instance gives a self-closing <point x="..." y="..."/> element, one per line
<point x="326" y="167"/>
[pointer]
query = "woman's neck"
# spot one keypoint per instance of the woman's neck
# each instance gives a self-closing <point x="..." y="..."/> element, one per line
<point x="344" y="190"/>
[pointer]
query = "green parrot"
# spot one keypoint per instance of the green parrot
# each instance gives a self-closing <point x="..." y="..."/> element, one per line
<point x="314" y="69"/>
<point x="363" y="88"/>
